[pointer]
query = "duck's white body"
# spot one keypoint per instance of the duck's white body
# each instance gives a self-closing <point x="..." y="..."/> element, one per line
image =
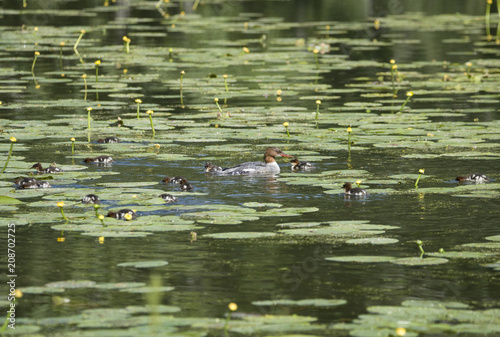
<point x="269" y="165"/>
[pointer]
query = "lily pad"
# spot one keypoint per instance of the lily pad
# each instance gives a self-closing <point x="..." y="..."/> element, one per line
<point x="240" y="235"/>
<point x="143" y="264"/>
<point x="418" y="261"/>
<point x="361" y="259"/>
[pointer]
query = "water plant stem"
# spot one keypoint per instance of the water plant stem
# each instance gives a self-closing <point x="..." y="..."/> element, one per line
<point x="60" y="55"/>
<point x="225" y="80"/>
<point x="82" y="32"/>
<point x="487" y="19"/>
<point x="393" y="74"/>
<point x="37" y="53"/>
<point x="12" y="141"/>
<point x="84" y="76"/>
<point x="195" y="5"/>
<point x="73" y="145"/>
<point x="349" y="131"/>
<point x="89" y="109"/>
<point x="420" y="172"/>
<point x="138" y="101"/>
<point x="318" y="103"/>
<point x="126" y="43"/>
<point x="216" y="100"/>
<point x="61" y="205"/>
<point x="150" y="114"/>
<point x="97" y="63"/>
<point x="182" y="76"/>
<point x="497" y="40"/>
<point x="420" y="244"/>
<point x="409" y="94"/>
<point x="6" y="322"/>
<point x="232" y="307"/>
<point x="285" y="124"/>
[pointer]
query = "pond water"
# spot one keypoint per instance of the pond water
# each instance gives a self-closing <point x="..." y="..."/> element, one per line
<point x="294" y="253"/>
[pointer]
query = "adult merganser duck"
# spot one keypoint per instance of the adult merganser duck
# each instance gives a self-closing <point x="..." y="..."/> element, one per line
<point x="168" y="197"/>
<point x="353" y="191"/>
<point x="31" y="183"/>
<point x="91" y="199"/>
<point x="212" y="168"/>
<point x="268" y="166"/>
<point x="122" y="214"/>
<point x="300" y="165"/>
<point x="474" y="177"/>
<point x="109" y="140"/>
<point x="99" y="160"/>
<point x="184" y="185"/>
<point x="50" y="169"/>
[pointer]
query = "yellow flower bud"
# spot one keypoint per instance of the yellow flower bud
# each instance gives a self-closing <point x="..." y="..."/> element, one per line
<point x="285" y="124"/>
<point x="400" y="332"/>
<point x="73" y="139"/>
<point x="13" y="139"/>
<point x="128" y="216"/>
<point x="98" y="62"/>
<point x="149" y="112"/>
<point x="233" y="306"/>
<point x="349" y="129"/>
<point x="89" y="108"/>
<point x="318" y="102"/>
<point x="421" y="171"/>
<point x="138" y="101"/>
<point x="60" y="204"/>
<point x="409" y="93"/>
<point x="37" y="53"/>
<point x="246" y="50"/>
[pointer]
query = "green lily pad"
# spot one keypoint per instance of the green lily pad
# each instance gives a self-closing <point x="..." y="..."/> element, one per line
<point x="361" y="259"/>
<point x="373" y="241"/>
<point x="143" y="264"/>
<point x="9" y="200"/>
<point x="240" y="235"/>
<point x="143" y="290"/>
<point x="71" y="284"/>
<point x="316" y="302"/>
<point x="418" y="261"/>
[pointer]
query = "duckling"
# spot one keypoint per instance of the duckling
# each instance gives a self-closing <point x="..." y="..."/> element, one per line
<point x="300" y="165"/>
<point x="353" y="191"/>
<point x="212" y="168"/>
<point x="474" y="177"/>
<point x="99" y="160"/>
<point x="168" y="197"/>
<point x="122" y="214"/>
<point x="50" y="169"/>
<point x="91" y="199"/>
